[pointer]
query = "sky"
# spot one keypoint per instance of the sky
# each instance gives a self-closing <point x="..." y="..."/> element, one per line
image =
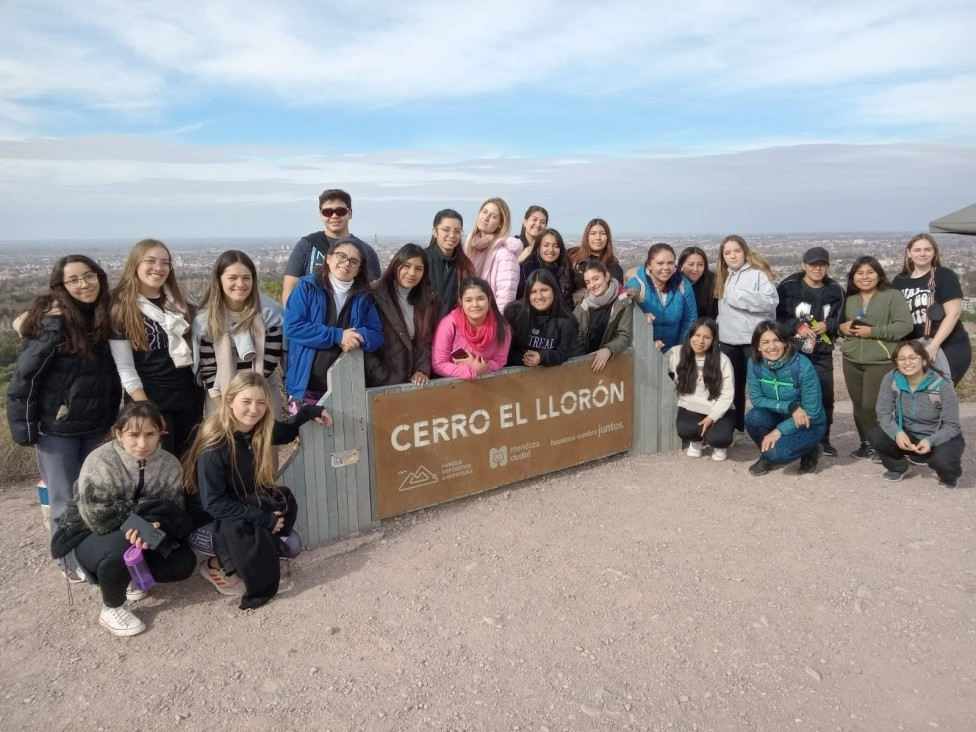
<point x="195" y="119"/>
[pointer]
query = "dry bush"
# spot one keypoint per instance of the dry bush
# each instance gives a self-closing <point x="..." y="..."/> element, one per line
<point x="17" y="463"/>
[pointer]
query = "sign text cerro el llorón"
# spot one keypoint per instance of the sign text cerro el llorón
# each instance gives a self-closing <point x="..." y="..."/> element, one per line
<point x="443" y="442"/>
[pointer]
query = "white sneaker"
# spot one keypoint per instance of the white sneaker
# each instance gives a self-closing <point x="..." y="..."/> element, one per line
<point x="132" y="593"/>
<point x="120" y="621"/>
<point x="226" y="585"/>
<point x="718" y="454"/>
<point x="694" y="449"/>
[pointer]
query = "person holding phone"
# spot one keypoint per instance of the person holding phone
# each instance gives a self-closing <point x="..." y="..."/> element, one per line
<point x="543" y="328"/>
<point x="473" y="339"/>
<point x="877" y="317"/>
<point x="129" y="475"/>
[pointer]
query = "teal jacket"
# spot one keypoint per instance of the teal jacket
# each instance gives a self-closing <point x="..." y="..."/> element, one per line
<point x="779" y="385"/>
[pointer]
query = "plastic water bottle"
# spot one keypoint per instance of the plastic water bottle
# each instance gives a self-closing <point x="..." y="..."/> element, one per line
<point x="44" y="499"/>
<point x="135" y="562"/>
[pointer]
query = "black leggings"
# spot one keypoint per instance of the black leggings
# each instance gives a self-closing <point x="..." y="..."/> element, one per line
<point x="718" y="435"/>
<point x="101" y="557"/>
<point x="740" y="357"/>
<point x="944" y="459"/>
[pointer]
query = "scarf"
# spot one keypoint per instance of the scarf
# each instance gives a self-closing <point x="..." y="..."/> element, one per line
<point x="340" y="290"/>
<point x="175" y="326"/>
<point x="480" y="339"/>
<point x="478" y="249"/>
<point x="406" y="310"/>
<point x="224" y="348"/>
<point x="595" y="302"/>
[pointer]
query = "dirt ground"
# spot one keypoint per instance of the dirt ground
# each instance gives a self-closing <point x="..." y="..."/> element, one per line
<point x="642" y="593"/>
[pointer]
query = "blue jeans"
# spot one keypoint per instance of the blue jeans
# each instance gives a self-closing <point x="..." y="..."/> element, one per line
<point x="761" y="421"/>
<point x="59" y="460"/>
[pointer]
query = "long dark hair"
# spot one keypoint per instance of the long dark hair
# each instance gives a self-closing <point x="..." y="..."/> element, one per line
<point x="528" y="212"/>
<point x="704" y="293"/>
<point x="522" y="311"/>
<point x="77" y="340"/>
<point x="501" y="325"/>
<point x="463" y="267"/>
<point x="686" y="374"/>
<point x="563" y="266"/>
<point x="874" y="264"/>
<point x="360" y="283"/>
<point x="213" y="298"/>
<point x="421" y="295"/>
<point x="583" y="251"/>
<point x="919" y="350"/>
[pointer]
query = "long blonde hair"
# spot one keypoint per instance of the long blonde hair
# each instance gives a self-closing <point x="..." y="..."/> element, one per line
<point x="753" y="259"/>
<point x="214" y="304"/>
<point x="504" y="226"/>
<point x="219" y="428"/>
<point x="124" y="302"/>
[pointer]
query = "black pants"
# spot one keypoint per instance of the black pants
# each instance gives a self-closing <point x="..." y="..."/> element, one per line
<point x="718" y="435"/>
<point x="823" y="364"/>
<point x="101" y="557"/>
<point x="740" y="357"/>
<point x="180" y="428"/>
<point x="944" y="459"/>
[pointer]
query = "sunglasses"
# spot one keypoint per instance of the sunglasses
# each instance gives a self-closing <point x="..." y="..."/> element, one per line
<point x="339" y="211"/>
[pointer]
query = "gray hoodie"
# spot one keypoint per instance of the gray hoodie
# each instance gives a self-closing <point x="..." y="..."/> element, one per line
<point x="749" y="298"/>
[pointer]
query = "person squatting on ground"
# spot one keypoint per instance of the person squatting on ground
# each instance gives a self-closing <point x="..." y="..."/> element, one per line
<point x="64" y="393"/>
<point x="876" y="318"/>
<point x="131" y="474"/>
<point x="918" y="418"/>
<point x="231" y="464"/>
<point x="787" y="420"/>
<point x="811" y="306"/>
<point x="703" y="379"/>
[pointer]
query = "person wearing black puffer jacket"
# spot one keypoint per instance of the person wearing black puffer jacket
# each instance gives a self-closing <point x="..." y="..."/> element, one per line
<point x="543" y="328"/>
<point x="65" y="391"/>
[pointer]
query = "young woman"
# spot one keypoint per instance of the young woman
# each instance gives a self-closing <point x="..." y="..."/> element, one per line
<point x="131" y="474"/>
<point x="543" y="328"/>
<point x="328" y="314"/>
<point x="703" y="379"/>
<point x="596" y="243"/>
<point x="665" y="296"/>
<point x="693" y="264"/>
<point x="549" y="253"/>
<point x="407" y="310"/>
<point x="473" y="339"/>
<point x="493" y="252"/>
<point x="934" y="296"/>
<point x="876" y="317"/>
<point x="787" y="420"/>
<point x="231" y="465"/>
<point x="534" y="222"/>
<point x="64" y="393"/>
<point x="746" y="297"/>
<point x="151" y="341"/>
<point x="605" y="316"/>
<point x="237" y="328"/>
<point x="811" y="306"/>
<point x="447" y="263"/>
<point x="918" y="418"/>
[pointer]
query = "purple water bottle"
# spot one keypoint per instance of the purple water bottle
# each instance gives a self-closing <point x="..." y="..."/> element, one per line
<point x="135" y="562"/>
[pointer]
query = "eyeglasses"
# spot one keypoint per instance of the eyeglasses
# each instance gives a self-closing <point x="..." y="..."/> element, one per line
<point x="89" y="278"/>
<point x="339" y="211"/>
<point x="152" y="263"/>
<point x="908" y="359"/>
<point x="341" y="258"/>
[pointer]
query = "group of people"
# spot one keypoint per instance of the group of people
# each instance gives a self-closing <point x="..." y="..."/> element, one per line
<point x="902" y="343"/>
<point x="189" y="393"/>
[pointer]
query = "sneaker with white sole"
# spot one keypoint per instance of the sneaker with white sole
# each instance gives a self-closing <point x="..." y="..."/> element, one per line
<point x="120" y="621"/>
<point x="133" y="593"/>
<point x="694" y="450"/>
<point x="719" y="454"/>
<point x="225" y="584"/>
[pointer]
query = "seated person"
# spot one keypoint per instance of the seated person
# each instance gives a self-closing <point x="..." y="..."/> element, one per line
<point x="543" y="328"/>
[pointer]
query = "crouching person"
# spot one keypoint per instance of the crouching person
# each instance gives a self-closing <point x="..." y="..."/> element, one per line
<point x="131" y="474"/>
<point x="231" y="465"/>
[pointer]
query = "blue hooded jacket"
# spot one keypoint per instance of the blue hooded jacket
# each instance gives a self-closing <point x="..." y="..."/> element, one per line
<point x="674" y="317"/>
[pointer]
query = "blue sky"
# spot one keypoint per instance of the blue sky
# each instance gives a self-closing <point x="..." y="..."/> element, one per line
<point x="221" y="118"/>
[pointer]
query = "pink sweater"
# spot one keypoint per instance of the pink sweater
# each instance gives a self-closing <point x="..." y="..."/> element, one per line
<point x="448" y="339"/>
<point x="500" y="268"/>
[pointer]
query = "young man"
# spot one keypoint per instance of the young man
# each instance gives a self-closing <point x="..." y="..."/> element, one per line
<point x="335" y="210"/>
<point x="811" y="306"/>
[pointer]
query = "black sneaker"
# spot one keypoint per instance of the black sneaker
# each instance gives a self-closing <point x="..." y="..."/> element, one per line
<point x="864" y="451"/>
<point x="828" y="449"/>
<point x="760" y="467"/>
<point x="916" y="459"/>
<point x="808" y="463"/>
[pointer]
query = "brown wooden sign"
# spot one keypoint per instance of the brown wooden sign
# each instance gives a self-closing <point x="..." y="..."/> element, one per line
<point x="438" y="443"/>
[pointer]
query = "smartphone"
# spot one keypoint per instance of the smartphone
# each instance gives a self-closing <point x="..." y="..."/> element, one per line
<point x="147" y="532"/>
<point x="459" y="353"/>
<point x="858" y="321"/>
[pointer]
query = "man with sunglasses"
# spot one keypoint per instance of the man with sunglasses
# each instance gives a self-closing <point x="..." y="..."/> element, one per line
<point x="811" y="306"/>
<point x="335" y="210"/>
